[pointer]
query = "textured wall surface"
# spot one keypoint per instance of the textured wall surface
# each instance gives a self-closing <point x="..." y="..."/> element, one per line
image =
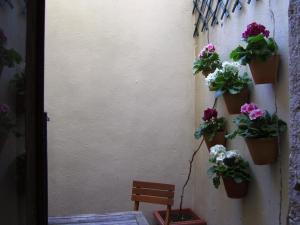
<point x="294" y="79"/>
<point x="120" y="96"/>
<point x="267" y="200"/>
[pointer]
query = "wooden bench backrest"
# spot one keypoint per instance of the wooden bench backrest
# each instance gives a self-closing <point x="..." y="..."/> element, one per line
<point x="155" y="193"/>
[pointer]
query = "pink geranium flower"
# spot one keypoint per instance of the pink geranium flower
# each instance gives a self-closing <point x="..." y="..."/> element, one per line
<point x="210" y="47"/>
<point x="248" y="108"/>
<point x="255" y="114"/>
<point x="201" y="54"/>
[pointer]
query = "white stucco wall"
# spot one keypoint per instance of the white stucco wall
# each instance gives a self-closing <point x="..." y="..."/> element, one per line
<point x="120" y="96"/>
<point x="262" y="205"/>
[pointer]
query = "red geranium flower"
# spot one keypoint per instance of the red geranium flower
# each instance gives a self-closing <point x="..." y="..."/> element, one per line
<point x="254" y="29"/>
<point x="209" y="113"/>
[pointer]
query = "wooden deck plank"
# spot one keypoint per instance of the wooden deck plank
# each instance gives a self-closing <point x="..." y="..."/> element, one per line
<point x="122" y="218"/>
<point x="95" y="218"/>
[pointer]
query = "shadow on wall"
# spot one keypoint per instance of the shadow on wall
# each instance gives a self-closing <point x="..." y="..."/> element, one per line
<point x="251" y="206"/>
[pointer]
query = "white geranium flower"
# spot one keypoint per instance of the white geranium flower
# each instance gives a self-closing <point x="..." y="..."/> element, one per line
<point x="233" y="67"/>
<point x="232" y="154"/>
<point x="212" y="77"/>
<point x="221" y="156"/>
<point x="216" y="150"/>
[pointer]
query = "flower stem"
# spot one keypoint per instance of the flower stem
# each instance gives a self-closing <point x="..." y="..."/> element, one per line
<point x="191" y="165"/>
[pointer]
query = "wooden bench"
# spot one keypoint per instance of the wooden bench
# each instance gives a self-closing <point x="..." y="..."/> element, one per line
<point x="156" y="193"/>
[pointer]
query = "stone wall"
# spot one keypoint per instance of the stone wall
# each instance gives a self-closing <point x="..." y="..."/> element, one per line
<point x="294" y="80"/>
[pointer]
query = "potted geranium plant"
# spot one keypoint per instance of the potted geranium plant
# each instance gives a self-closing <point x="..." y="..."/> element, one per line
<point x="260" y="130"/>
<point x="6" y="123"/>
<point x="8" y="57"/>
<point x="228" y="81"/>
<point x="231" y="168"/>
<point x="260" y="53"/>
<point x="212" y="128"/>
<point x="207" y="61"/>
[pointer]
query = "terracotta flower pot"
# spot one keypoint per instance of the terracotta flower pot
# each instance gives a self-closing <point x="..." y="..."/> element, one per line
<point x="206" y="72"/>
<point x="264" y="72"/>
<point x="234" y="102"/>
<point x="235" y="190"/>
<point x="219" y="139"/>
<point x="183" y="217"/>
<point x="263" y="150"/>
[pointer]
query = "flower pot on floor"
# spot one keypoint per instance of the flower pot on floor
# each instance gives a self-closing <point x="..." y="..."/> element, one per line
<point x="235" y="190"/>
<point x="183" y="217"/>
<point x="263" y="150"/>
<point x="219" y="139"/>
<point x="234" y="102"/>
<point x="265" y="72"/>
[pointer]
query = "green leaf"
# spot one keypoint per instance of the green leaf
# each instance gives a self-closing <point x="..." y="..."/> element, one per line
<point x="211" y="171"/>
<point x="216" y="182"/>
<point x="198" y="133"/>
<point x="209" y="62"/>
<point x="234" y="90"/>
<point x="257" y="47"/>
<point x="238" y="53"/>
<point x="238" y="179"/>
<point x="266" y="126"/>
<point x="255" y="39"/>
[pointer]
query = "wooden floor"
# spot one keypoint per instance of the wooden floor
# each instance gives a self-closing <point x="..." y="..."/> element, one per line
<point x="122" y="218"/>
